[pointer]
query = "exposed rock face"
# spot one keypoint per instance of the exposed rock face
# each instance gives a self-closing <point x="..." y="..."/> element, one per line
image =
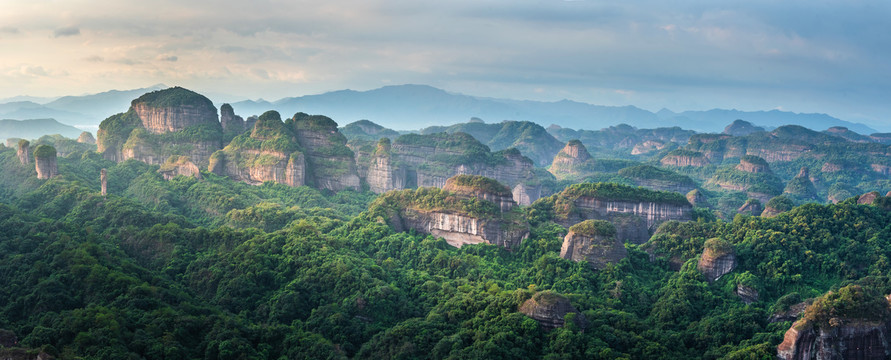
<point x="179" y="165"/>
<point x="571" y="161"/>
<point x="718" y="258"/>
<point x="383" y="174"/>
<point x="229" y="121"/>
<point x="751" y="207"/>
<point x="103" y="180"/>
<point x="647" y="147"/>
<point x="593" y="241"/>
<point x="685" y="158"/>
<point x="753" y="164"/>
<point x="331" y="162"/>
<point x="525" y="194"/>
<point x="868" y="198"/>
<point x="851" y="323"/>
<point x="801" y="186"/>
<point x="881" y="169"/>
<point x="475" y="186"/>
<point x="45" y="159"/>
<point x="158" y="118"/>
<point x="790" y="314"/>
<point x="549" y="309"/>
<point x="461" y="218"/>
<point x="269" y="152"/>
<point x="747" y="294"/>
<point x="741" y="128"/>
<point x="24" y="152"/>
<point x="86" y="137"/>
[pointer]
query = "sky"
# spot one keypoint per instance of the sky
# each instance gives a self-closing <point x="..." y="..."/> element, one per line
<point x="802" y="56"/>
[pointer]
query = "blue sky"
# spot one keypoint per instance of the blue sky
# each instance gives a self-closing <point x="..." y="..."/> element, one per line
<point x="803" y="56"/>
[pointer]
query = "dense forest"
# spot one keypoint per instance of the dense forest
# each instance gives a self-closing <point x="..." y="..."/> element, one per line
<point x="219" y="269"/>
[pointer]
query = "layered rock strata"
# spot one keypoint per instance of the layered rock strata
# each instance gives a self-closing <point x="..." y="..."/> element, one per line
<point x="331" y="162"/>
<point x="270" y="152"/>
<point x="682" y="158"/>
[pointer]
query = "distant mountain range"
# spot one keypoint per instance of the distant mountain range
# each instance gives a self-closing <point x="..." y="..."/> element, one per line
<point x="33" y="129"/>
<point x="417" y="106"/>
<point x="414" y="106"/>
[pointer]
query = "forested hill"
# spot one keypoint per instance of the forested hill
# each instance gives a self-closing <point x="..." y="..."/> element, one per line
<point x="217" y="269"/>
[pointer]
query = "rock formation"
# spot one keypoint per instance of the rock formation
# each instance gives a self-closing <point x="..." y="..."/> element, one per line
<point x="717" y="259"/>
<point x="179" y="165"/>
<point x="635" y="212"/>
<point x="851" y="323"/>
<point x="460" y="218"/>
<point x="683" y="158"/>
<point x="269" y="152"/>
<point x="230" y="122"/>
<point x="162" y="123"/>
<point x="550" y="310"/>
<point x="480" y="187"/>
<point x="12" y="142"/>
<point x="86" y="137"/>
<point x="428" y="160"/>
<point x="868" y="198"/>
<point x="103" y="180"/>
<point x="24" y="152"/>
<point x="777" y="205"/>
<point x="753" y="164"/>
<point x="571" y="160"/>
<point x="593" y="241"/>
<point x="45" y="159"/>
<point x="747" y="294"/>
<point x="751" y="207"/>
<point x="654" y="178"/>
<point x="647" y="147"/>
<point x="331" y="162"/>
<point x="741" y="128"/>
<point x="801" y="186"/>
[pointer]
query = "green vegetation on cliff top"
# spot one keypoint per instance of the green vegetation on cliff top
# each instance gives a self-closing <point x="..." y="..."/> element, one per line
<point x="616" y="192"/>
<point x="479" y="183"/>
<point x="172" y="97"/>
<point x="591" y="228"/>
<point x="44" y="152"/>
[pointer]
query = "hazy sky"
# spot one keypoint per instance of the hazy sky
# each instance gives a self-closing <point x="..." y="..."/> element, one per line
<point x="803" y="56"/>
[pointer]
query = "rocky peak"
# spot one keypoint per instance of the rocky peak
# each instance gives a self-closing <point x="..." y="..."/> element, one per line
<point x="803" y="173"/>
<point x="801" y="186"/>
<point x="45" y="159"/>
<point x="23" y="151"/>
<point x="777" y="205"/>
<point x="550" y="310"/>
<point x="718" y="258"/>
<point x="753" y="164"/>
<point x="573" y="153"/>
<point x="868" y="198"/>
<point x="593" y="241"/>
<point x="174" y="109"/>
<point x="269" y="152"/>
<point x="332" y="163"/>
<point x="86" y="137"/>
<point x="481" y="187"/>
<point x="229" y="121"/>
<point x="681" y="158"/>
<point x="741" y="128"/>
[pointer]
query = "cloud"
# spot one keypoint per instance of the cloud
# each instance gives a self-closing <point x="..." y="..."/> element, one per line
<point x="94" y="58"/>
<point x="66" y="31"/>
<point x="171" y="58"/>
<point x="9" y="30"/>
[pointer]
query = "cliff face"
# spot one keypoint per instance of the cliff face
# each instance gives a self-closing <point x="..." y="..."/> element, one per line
<point x="179" y="165"/>
<point x="458" y="229"/>
<point x="684" y="158"/>
<point x="850" y="341"/>
<point x="647" y="147"/>
<point x="331" y="162"/>
<point x="753" y="164"/>
<point x="651" y="215"/>
<point x="597" y="248"/>
<point x="571" y="160"/>
<point x="45" y="159"/>
<point x="716" y="260"/>
<point x="549" y="309"/>
<point x="167" y="119"/>
<point x="229" y="121"/>
<point x="23" y="151"/>
<point x="269" y="152"/>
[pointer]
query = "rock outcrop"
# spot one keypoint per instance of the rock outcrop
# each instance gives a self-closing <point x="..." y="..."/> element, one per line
<point x="86" y="137"/>
<point x="747" y="294"/>
<point x="550" y="310"/>
<point x="384" y="173"/>
<point x="777" y="205"/>
<point x="460" y="218"/>
<point x="696" y="198"/>
<point x="751" y="207"/>
<point x="103" y="182"/>
<point x="230" y="122"/>
<point x="868" y="198"/>
<point x="718" y="258"/>
<point x="683" y="158"/>
<point x="269" y="152"/>
<point x="45" y="159"/>
<point x="635" y="212"/>
<point x="753" y="164"/>
<point x="23" y="151"/>
<point x="570" y="159"/>
<point x="480" y="187"/>
<point x="331" y="163"/>
<point x="161" y="124"/>
<point x="647" y="147"/>
<point x="801" y="186"/>
<point x="179" y="165"/>
<point x="593" y="241"/>
<point x="852" y="323"/>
